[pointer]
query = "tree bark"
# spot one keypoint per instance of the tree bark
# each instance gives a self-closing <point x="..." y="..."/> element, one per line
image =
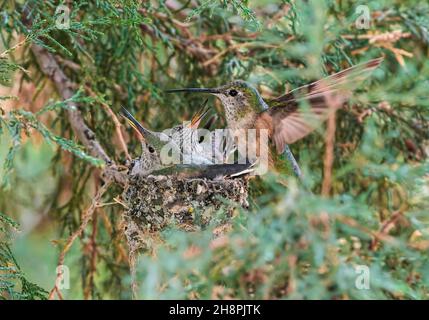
<point x="50" y="67"/>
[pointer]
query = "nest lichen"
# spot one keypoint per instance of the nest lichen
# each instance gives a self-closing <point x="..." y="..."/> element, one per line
<point x="155" y="202"/>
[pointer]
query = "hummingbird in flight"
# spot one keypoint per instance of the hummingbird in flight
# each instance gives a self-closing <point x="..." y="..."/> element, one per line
<point x="289" y="117"/>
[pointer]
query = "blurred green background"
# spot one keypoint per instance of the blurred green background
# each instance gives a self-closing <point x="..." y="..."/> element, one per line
<point x="292" y="242"/>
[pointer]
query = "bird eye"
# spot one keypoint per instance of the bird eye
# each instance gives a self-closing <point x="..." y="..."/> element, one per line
<point x="233" y="92"/>
<point x="151" y="149"/>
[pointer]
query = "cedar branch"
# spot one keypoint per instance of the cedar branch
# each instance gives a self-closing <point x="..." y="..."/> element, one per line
<point x="50" y="67"/>
<point x="86" y="218"/>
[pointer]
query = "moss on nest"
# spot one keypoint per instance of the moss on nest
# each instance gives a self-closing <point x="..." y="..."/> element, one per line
<point x="155" y="202"/>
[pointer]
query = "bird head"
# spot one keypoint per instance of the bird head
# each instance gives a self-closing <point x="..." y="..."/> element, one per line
<point x="152" y="142"/>
<point x="237" y="97"/>
<point x="186" y="135"/>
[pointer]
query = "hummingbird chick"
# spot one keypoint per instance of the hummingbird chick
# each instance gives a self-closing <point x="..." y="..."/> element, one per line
<point x="186" y="136"/>
<point x="182" y="140"/>
<point x="151" y="142"/>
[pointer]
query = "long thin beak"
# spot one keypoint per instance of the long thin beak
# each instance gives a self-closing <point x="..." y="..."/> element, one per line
<point x="199" y="90"/>
<point x="135" y="124"/>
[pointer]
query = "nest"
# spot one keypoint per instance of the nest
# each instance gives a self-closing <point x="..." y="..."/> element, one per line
<point x="157" y="201"/>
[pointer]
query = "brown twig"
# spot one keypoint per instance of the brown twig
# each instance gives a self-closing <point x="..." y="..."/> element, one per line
<point x="386" y="227"/>
<point x="183" y="41"/>
<point x="68" y="63"/>
<point x="16" y="46"/>
<point x="237" y="46"/>
<point x="49" y="66"/>
<point x="376" y="234"/>
<point x="384" y="40"/>
<point x="292" y="283"/>
<point x="132" y="260"/>
<point x="86" y="218"/>
<point x="329" y="155"/>
<point x="116" y="122"/>
<point x="116" y="237"/>
<point x="93" y="257"/>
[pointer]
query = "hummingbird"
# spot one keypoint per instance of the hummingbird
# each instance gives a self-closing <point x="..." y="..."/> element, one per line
<point x="151" y="142"/>
<point x="289" y="117"/>
<point x="150" y="160"/>
<point x="182" y="139"/>
<point x="186" y="137"/>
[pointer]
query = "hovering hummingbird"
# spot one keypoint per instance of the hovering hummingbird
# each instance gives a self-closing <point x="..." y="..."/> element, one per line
<point x="283" y="118"/>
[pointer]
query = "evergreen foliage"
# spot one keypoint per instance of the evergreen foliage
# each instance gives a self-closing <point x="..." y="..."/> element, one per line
<point x="293" y="242"/>
<point x="13" y="283"/>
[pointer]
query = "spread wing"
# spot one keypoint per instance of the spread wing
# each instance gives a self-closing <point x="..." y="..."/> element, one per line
<point x="297" y="113"/>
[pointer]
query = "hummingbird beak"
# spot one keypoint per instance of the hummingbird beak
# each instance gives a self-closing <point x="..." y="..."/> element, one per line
<point x="196" y="119"/>
<point x="210" y="122"/>
<point x="143" y="132"/>
<point x="198" y="90"/>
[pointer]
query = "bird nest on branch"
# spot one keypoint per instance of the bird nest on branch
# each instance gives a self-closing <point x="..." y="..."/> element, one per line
<point x="155" y="202"/>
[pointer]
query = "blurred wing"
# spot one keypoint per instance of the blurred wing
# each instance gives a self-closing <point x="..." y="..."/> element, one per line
<point x="302" y="110"/>
<point x="293" y="123"/>
<point x="344" y="81"/>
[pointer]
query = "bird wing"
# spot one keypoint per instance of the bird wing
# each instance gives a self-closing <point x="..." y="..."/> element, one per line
<point x="215" y="171"/>
<point x="345" y="79"/>
<point x="299" y="112"/>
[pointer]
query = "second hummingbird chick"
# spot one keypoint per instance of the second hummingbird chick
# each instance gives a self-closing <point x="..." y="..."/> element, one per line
<point x="186" y="136"/>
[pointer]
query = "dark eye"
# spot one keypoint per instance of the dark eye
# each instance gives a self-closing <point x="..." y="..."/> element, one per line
<point x="151" y="149"/>
<point x="233" y="92"/>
